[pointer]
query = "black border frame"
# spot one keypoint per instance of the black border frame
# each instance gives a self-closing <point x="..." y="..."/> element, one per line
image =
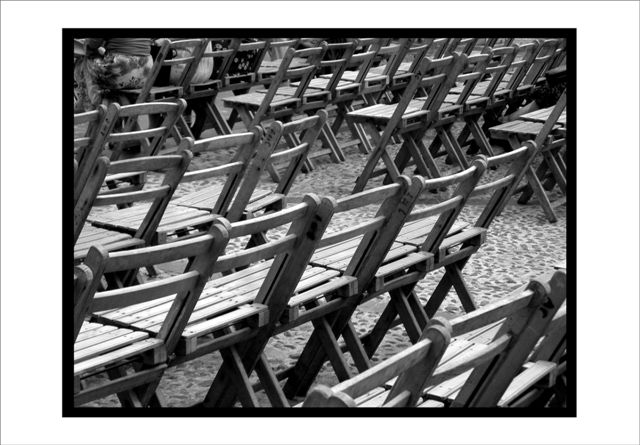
<point x="68" y="34"/>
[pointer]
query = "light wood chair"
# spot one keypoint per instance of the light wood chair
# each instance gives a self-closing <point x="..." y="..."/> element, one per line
<point x="485" y="359"/>
<point x="401" y="264"/>
<point x="156" y="198"/>
<point x="134" y="359"/>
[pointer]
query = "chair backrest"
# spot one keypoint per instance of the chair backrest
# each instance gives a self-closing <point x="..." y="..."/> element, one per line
<point x="243" y="77"/>
<point x="337" y="66"/>
<point x="518" y="323"/>
<point x="202" y="253"/>
<point x="221" y="53"/>
<point x="121" y="126"/>
<point x="525" y="55"/>
<point x="300" y="76"/>
<point x="300" y="136"/>
<point x="251" y="153"/>
<point x="542" y="61"/>
<point x="461" y="46"/>
<point x="472" y="74"/>
<point x="86" y="196"/>
<point x="81" y="139"/>
<point x="390" y="55"/>
<point x="194" y="47"/>
<point x="499" y="189"/>
<point x="388" y="207"/>
<point x="438" y="48"/>
<point x="447" y="208"/>
<point x="156" y="197"/>
<point x="501" y="60"/>
<point x="83" y="142"/>
<point x="412" y="367"/>
<point x="289" y="253"/>
<point x="548" y="125"/>
<point x="522" y="319"/>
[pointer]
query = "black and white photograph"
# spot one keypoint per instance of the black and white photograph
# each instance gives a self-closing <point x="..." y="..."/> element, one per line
<point x="307" y="222"/>
<point x="299" y="223"/>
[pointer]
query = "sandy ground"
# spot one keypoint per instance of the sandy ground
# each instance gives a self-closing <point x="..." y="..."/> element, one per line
<point x="521" y="244"/>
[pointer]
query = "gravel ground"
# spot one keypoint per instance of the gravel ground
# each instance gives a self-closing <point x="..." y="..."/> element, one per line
<point x="521" y="244"/>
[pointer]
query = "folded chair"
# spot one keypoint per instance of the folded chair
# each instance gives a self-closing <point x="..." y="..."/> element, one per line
<point x="156" y="198"/>
<point x="455" y="252"/>
<point x="237" y="311"/>
<point x="366" y="245"/>
<point x="135" y="359"/>
<point x="408" y="119"/>
<point x="481" y="363"/>
<point x="403" y="265"/>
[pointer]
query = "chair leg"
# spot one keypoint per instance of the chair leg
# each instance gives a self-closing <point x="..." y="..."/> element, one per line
<point x="233" y="375"/>
<point x="270" y="384"/>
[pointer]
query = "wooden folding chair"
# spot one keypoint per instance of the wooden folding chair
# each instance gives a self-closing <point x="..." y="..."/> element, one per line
<point x="121" y="129"/>
<point x="240" y="308"/>
<point x="485" y="97"/>
<point x="193" y="213"/>
<point x="410" y="369"/>
<point x="347" y="86"/>
<point x="135" y="359"/>
<point x="404" y="264"/>
<point x="483" y="361"/>
<point x="454" y="253"/>
<point x="155" y="197"/>
<point x="543" y="383"/>
<point x="351" y="257"/>
<point x="299" y="136"/>
<point x="336" y="59"/>
<point x="280" y="100"/>
<point x="408" y="119"/>
<point x="550" y="140"/>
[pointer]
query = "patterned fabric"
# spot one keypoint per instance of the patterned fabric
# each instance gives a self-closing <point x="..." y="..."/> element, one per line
<point x="96" y="77"/>
<point x="241" y="63"/>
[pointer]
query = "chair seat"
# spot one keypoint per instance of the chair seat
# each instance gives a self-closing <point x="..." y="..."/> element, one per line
<point x="309" y="96"/>
<point x="382" y="113"/>
<point x="109" y="239"/>
<point x="205" y="199"/>
<point x="254" y="100"/>
<point x="225" y="301"/>
<point x="518" y="128"/>
<point x="542" y="115"/>
<point x="175" y="218"/>
<point x="98" y="346"/>
<point x="415" y="233"/>
<point x="372" y="80"/>
<point x="156" y="92"/>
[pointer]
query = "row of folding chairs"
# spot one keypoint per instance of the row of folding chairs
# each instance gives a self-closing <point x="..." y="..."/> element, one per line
<point x="235" y="294"/>
<point x="148" y="213"/>
<point x="510" y="353"/>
